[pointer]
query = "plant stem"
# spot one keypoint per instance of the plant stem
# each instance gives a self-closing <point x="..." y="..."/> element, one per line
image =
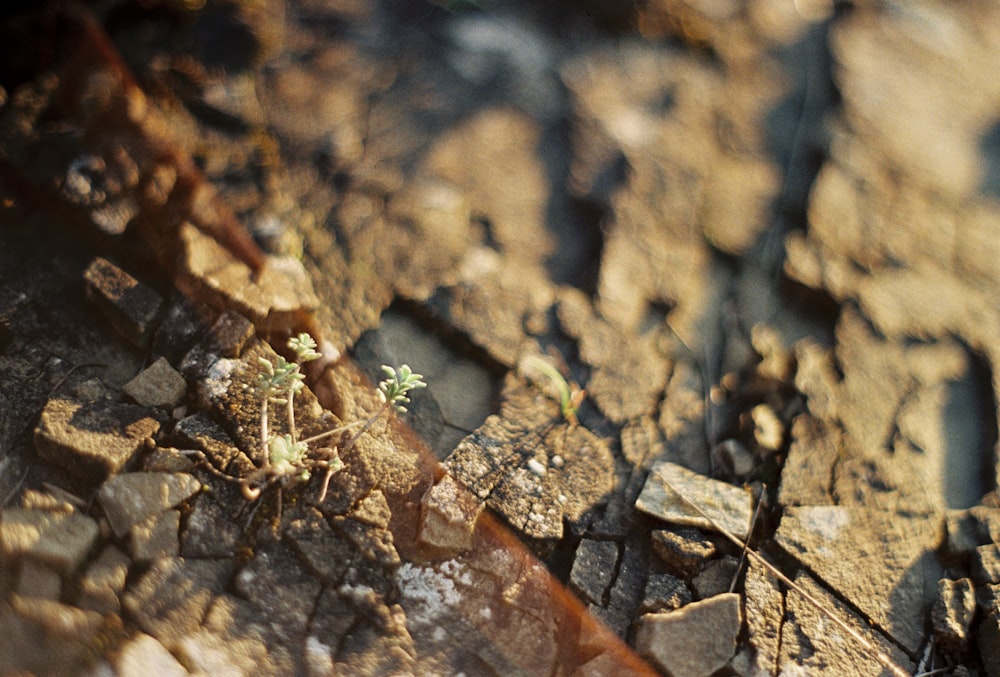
<point x="291" y="415"/>
<point x="264" y="432"/>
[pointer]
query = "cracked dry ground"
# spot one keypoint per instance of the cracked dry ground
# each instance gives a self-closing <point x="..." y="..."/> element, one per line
<point x="761" y="235"/>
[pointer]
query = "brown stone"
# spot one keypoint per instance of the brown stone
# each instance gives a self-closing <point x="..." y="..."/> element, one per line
<point x="665" y="638"/>
<point x="95" y="439"/>
<point x="132" y="307"/>
<point x="158" y="385"/>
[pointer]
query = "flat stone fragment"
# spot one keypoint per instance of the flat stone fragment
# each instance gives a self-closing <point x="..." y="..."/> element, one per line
<point x="664" y="593"/>
<point x="104" y="581"/>
<point x="279" y="295"/>
<point x="158" y="385"/>
<point x="38" y="580"/>
<point x="41" y="636"/>
<point x="132" y="307"/>
<point x="716" y="578"/>
<point x="951" y="616"/>
<point x="764" y="606"/>
<point x="448" y="515"/>
<point x="988" y="640"/>
<point x="668" y="639"/>
<point x="156" y="536"/>
<point x="60" y="540"/>
<point x="985" y="563"/>
<point x="811" y="644"/>
<point x="894" y="550"/>
<point x="373" y="510"/>
<point x="684" y="550"/>
<point x="95" y="439"/>
<point x="143" y="655"/>
<point x="593" y="569"/>
<point x="134" y="497"/>
<point x="728" y="506"/>
<point x="171" y="598"/>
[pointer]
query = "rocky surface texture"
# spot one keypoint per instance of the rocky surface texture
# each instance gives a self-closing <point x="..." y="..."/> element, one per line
<point x="679" y="274"/>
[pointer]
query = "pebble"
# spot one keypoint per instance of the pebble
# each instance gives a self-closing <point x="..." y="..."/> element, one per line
<point x="134" y="497"/>
<point x="93" y="439"/>
<point x="132" y="307"/>
<point x="58" y="539"/>
<point x="729" y="507"/>
<point x="158" y="385"/>
<point x="666" y="638"/>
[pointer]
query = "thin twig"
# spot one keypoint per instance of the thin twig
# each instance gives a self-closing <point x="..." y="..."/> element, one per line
<point x="879" y="655"/>
<point x="746" y="545"/>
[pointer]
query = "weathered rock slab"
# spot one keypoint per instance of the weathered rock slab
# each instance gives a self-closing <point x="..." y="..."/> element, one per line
<point x="158" y="385"/>
<point x="895" y="552"/>
<point x="58" y="539"/>
<point x="95" y="439"/>
<point x="695" y="640"/>
<point x="671" y="490"/>
<point x="134" y="497"/>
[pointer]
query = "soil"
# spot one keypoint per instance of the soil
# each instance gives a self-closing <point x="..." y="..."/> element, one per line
<point x="753" y="246"/>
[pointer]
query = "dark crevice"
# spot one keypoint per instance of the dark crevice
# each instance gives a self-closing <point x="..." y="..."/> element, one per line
<point x="970" y="430"/>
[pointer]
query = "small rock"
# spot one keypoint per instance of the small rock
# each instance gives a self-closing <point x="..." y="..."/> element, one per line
<point x="665" y="638"/>
<point x="278" y="584"/>
<point x="199" y="431"/>
<point x="373" y="509"/>
<point x="95" y="439"/>
<point x="952" y="615"/>
<point x="664" y="593"/>
<point x="60" y="540"/>
<point x="448" y="514"/>
<point x="276" y="298"/>
<point x="156" y="536"/>
<point x="42" y="636"/>
<point x="716" y="577"/>
<point x="131" y="498"/>
<point x="626" y="593"/>
<point x="104" y="581"/>
<point x="736" y="457"/>
<point x="132" y="307"/>
<point x="143" y="655"/>
<point x="171" y="598"/>
<point x="988" y="636"/>
<point x="685" y="551"/>
<point x="986" y="564"/>
<point x="670" y="491"/>
<point x="593" y="569"/>
<point x="230" y="335"/>
<point x="38" y="580"/>
<point x="158" y="385"/>
<point x="768" y="429"/>
<point x="211" y="530"/>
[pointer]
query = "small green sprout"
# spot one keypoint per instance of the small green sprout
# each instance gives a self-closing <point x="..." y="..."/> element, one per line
<point x="570" y="396"/>
<point x="395" y="387"/>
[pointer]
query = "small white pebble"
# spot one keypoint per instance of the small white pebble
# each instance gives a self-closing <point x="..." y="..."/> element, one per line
<point x="536" y="468"/>
<point x="557" y="461"/>
<point x="562" y="499"/>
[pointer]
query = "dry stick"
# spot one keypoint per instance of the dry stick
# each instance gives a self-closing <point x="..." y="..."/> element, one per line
<point x="880" y="656"/>
<point x="746" y="544"/>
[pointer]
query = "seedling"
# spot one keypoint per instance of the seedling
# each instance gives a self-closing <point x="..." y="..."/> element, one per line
<point x="286" y="459"/>
<point x="570" y="396"/>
